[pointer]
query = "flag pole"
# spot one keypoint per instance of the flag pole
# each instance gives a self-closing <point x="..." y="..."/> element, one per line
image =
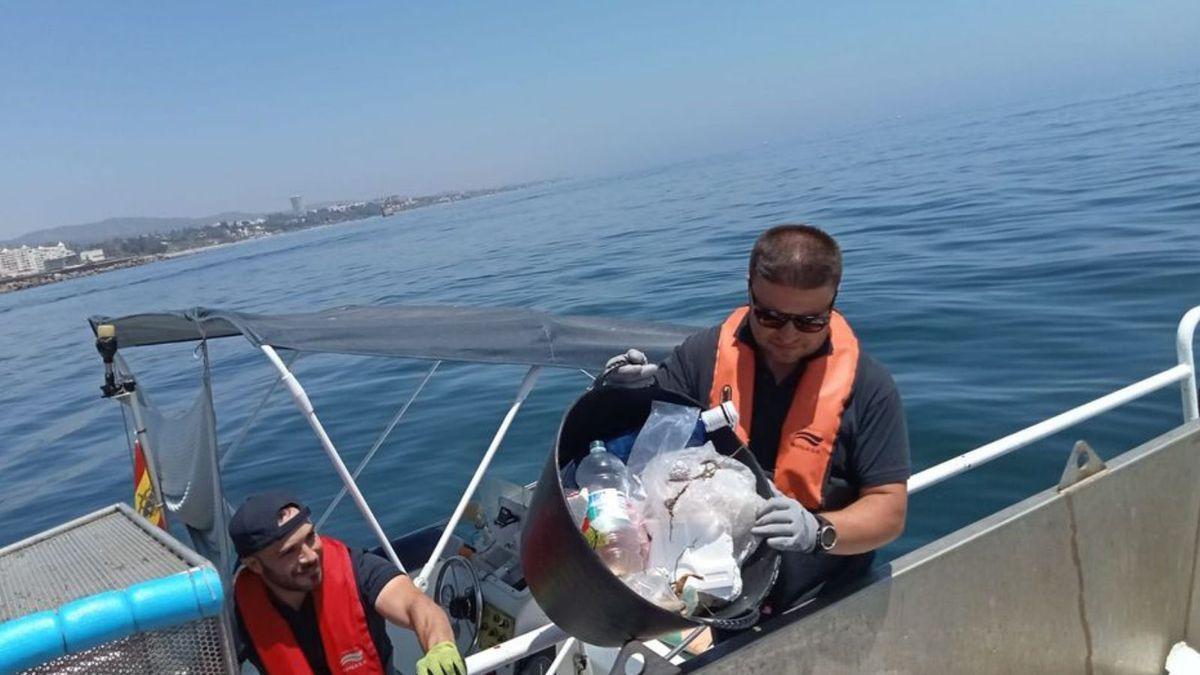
<point x="141" y="444"/>
<point x="125" y="391"/>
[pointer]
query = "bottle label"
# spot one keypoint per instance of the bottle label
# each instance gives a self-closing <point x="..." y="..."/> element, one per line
<point x="607" y="512"/>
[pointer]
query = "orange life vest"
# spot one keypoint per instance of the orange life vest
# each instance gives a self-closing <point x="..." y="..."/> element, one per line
<point x="340" y="618"/>
<point x="810" y="428"/>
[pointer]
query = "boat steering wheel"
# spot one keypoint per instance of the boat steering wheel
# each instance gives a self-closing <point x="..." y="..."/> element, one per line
<point x="459" y="594"/>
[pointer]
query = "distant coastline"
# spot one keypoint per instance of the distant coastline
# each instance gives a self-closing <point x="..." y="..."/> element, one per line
<point x="148" y="248"/>
<point x="9" y="284"/>
<point x="32" y="280"/>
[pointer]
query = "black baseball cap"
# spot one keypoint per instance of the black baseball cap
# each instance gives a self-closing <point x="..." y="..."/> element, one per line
<point x="255" y="525"/>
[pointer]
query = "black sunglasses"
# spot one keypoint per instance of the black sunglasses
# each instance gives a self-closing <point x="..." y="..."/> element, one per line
<point x="805" y="323"/>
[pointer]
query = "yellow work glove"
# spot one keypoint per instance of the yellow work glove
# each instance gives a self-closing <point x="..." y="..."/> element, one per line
<point x="442" y="659"/>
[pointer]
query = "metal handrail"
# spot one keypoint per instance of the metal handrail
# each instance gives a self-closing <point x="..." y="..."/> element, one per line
<point x="1015" y="441"/>
<point x="515" y="648"/>
<point x="1184" y="374"/>
<point x="1184" y="338"/>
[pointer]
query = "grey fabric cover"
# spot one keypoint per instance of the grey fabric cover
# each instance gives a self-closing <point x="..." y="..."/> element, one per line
<point x="183" y="451"/>
<point x="478" y="335"/>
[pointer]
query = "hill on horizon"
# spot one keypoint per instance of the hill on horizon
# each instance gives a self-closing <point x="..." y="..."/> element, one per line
<point x="121" y="226"/>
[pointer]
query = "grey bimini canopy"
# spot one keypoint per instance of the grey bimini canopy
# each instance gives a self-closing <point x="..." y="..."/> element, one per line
<point x="477" y="335"/>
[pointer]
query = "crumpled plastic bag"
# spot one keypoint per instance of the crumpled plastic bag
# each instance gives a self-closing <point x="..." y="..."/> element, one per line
<point x="669" y="427"/>
<point x="654" y="584"/>
<point x="700" y="577"/>
<point x="693" y="495"/>
<point x="698" y="507"/>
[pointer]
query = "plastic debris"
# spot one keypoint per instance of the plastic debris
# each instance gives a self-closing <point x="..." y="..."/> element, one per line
<point x="695" y="495"/>
<point x="696" y="507"/>
<point x="1183" y="660"/>
<point x="669" y="427"/>
<point x="613" y="523"/>
<point x="674" y="521"/>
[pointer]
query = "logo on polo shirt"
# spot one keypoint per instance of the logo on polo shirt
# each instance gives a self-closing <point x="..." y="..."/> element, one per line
<point x="352" y="660"/>
<point x="809" y="438"/>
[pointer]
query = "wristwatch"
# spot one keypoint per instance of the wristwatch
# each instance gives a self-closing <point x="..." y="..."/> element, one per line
<point x="826" y="534"/>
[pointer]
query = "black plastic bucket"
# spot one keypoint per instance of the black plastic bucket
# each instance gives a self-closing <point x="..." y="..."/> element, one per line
<point x="570" y="582"/>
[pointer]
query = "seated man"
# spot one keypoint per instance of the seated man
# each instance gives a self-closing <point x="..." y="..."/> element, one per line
<point x="310" y="604"/>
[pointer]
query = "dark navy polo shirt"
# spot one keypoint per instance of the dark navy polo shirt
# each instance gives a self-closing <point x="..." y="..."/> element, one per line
<point x="871" y="446"/>
<point x="371" y="573"/>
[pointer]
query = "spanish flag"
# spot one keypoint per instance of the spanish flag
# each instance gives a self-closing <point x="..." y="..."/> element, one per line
<point x="145" y="499"/>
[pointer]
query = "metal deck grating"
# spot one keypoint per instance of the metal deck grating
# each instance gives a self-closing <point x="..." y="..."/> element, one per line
<point x="108" y="552"/>
<point x="110" y="549"/>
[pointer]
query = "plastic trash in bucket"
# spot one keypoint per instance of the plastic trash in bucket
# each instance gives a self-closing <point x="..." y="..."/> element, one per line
<point x="570" y="582"/>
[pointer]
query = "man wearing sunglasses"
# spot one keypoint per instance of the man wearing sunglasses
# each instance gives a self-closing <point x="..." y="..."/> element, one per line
<point x="816" y="411"/>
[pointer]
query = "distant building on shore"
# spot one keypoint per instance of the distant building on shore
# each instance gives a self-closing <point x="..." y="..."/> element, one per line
<point x="15" y="262"/>
<point x="297" y="203"/>
<point x="61" y="263"/>
<point x="395" y="203"/>
<point x="93" y="255"/>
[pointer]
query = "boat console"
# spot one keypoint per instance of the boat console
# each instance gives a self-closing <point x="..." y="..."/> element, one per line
<point x="479" y="582"/>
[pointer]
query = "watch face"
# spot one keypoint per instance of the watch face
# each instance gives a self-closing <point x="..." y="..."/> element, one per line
<point x="826" y="537"/>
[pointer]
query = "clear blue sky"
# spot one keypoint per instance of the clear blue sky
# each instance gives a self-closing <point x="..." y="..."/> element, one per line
<point x="164" y="108"/>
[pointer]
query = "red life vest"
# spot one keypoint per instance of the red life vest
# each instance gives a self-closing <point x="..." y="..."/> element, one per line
<point x="340" y="618"/>
<point x="810" y="428"/>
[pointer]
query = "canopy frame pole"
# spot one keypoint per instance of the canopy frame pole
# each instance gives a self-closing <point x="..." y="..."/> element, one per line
<point x="237" y="443"/>
<point x="531" y="376"/>
<point x="378" y="443"/>
<point x="564" y="652"/>
<point x="300" y="397"/>
<point x="143" y="441"/>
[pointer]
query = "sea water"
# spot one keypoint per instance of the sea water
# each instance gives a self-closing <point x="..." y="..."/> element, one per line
<point x="1004" y="264"/>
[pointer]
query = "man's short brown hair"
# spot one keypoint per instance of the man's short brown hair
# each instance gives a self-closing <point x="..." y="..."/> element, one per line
<point x="801" y="256"/>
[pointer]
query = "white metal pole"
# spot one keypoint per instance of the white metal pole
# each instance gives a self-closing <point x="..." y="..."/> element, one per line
<point x="1037" y="432"/>
<point x="143" y="439"/>
<point x="422" y="580"/>
<point x="564" y="652"/>
<point x="1183" y="346"/>
<point x="379" y="443"/>
<point x="262" y="403"/>
<point x="306" y="409"/>
<point x="515" y="649"/>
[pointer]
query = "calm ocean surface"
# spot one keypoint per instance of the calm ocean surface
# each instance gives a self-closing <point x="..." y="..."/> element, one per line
<point x="1005" y="265"/>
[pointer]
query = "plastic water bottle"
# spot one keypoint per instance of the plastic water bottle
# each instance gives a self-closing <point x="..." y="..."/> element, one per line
<point x="612" y="526"/>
